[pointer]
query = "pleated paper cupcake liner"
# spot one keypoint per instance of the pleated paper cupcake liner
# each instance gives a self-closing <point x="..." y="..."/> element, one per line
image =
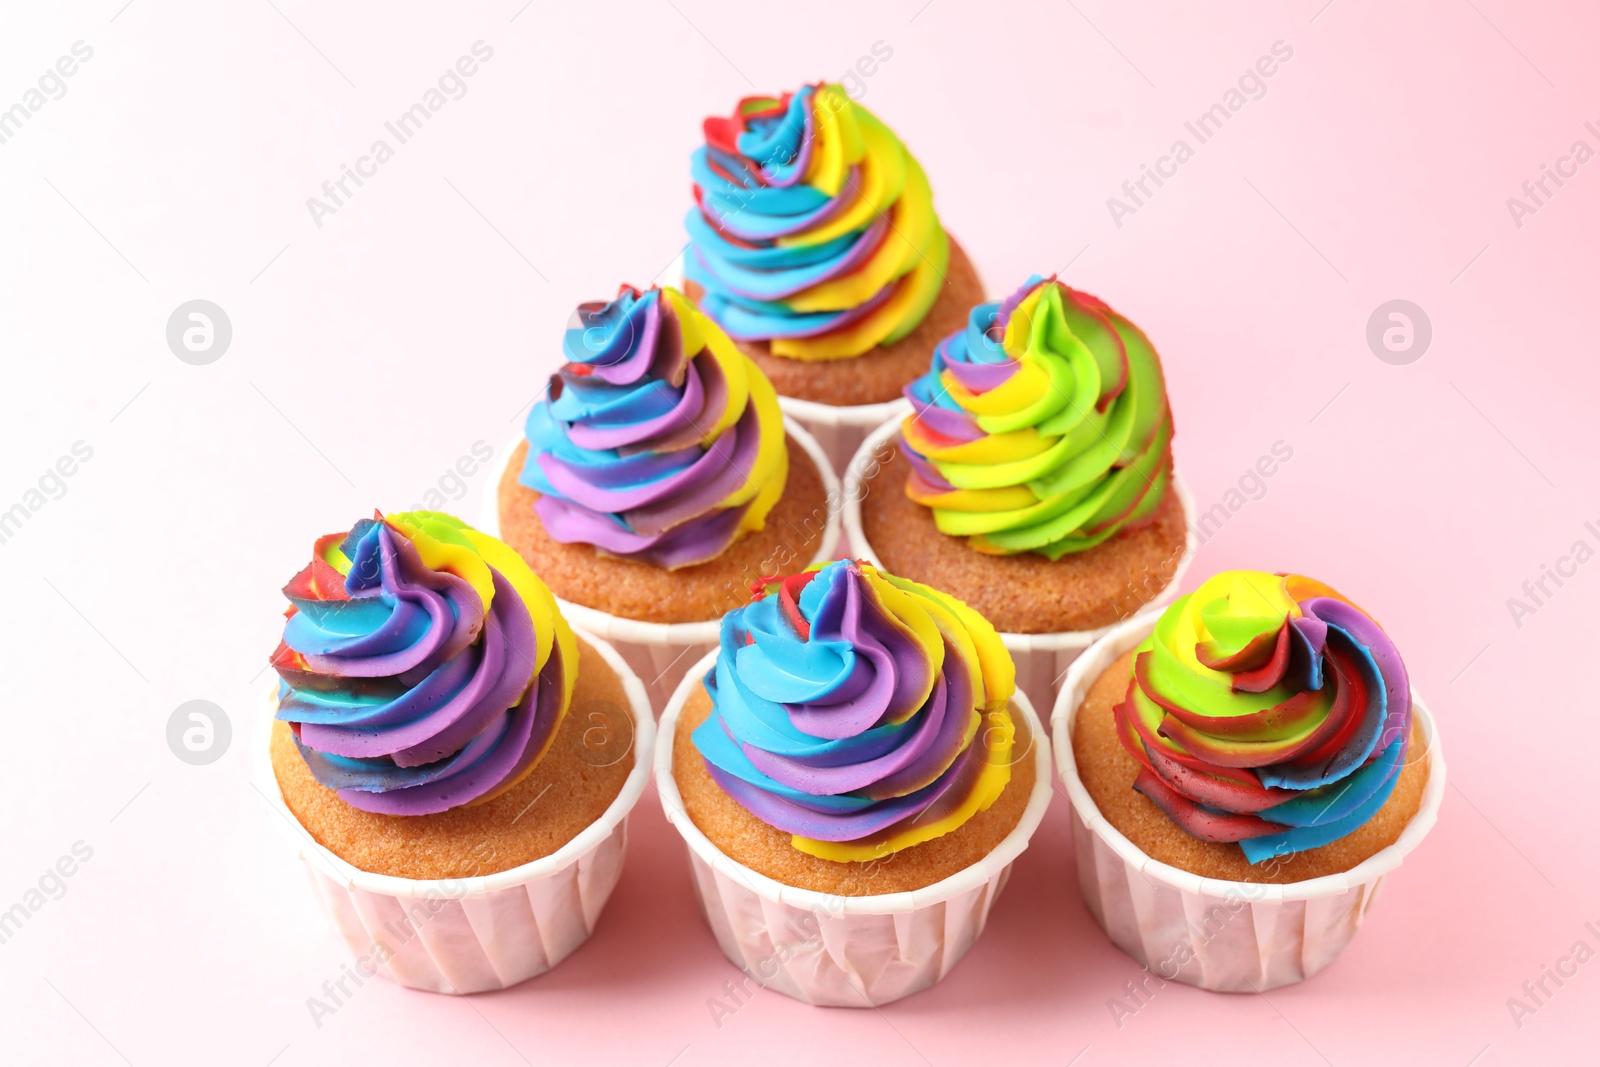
<point x="1042" y="659"/>
<point x="1236" y="937"/>
<point x="661" y="652"/>
<point x="473" y="935"/>
<point x="842" y="951"/>
<point x="840" y="428"/>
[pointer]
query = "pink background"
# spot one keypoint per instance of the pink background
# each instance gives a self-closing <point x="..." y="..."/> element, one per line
<point x="370" y="353"/>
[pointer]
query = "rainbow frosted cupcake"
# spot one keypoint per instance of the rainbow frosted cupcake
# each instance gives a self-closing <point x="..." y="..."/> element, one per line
<point x="855" y="738"/>
<point x="1256" y="753"/>
<point x="814" y="243"/>
<point x="658" y="478"/>
<point x="1033" y="477"/>
<point x="424" y="743"/>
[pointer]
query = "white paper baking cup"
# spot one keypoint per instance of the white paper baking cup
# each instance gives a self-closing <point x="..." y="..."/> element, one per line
<point x="840" y="428"/>
<point x="1042" y="659"/>
<point x="842" y="951"/>
<point x="660" y="652"/>
<point x="472" y="935"/>
<point x="1232" y="937"/>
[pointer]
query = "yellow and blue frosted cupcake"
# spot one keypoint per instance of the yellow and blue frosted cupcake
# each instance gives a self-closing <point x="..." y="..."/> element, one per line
<point x="856" y="740"/>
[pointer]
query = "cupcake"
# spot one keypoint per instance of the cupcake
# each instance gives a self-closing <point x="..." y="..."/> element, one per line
<point x="1243" y="771"/>
<point x="1033" y="478"/>
<point x="853" y="774"/>
<point x="814" y="243"/>
<point x="658" y="478"/>
<point x="456" y="762"/>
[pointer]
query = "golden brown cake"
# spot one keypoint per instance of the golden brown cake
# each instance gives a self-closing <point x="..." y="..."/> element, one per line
<point x="769" y="851"/>
<point x="1034" y="475"/>
<point x="1108" y="771"/>
<point x="580" y="574"/>
<point x="1024" y="593"/>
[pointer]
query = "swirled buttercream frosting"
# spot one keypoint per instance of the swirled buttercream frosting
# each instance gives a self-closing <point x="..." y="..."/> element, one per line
<point x="813" y="227"/>
<point x="1042" y="427"/>
<point x="658" y="441"/>
<point x="423" y="665"/>
<point x="859" y="712"/>
<point x="1269" y="710"/>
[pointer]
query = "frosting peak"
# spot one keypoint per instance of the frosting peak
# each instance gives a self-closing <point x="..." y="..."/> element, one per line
<point x="1269" y="710"/>
<point x="813" y="228"/>
<point x="860" y="712"/>
<point x="659" y="441"/>
<point x="423" y="665"/>
<point x="1043" y="427"/>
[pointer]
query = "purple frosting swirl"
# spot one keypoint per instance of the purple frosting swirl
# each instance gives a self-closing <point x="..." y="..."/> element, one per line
<point x="845" y="705"/>
<point x="405" y="694"/>
<point x="660" y="442"/>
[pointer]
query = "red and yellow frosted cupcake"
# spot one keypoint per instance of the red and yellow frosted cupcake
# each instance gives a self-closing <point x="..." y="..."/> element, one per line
<point x="1253" y="760"/>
